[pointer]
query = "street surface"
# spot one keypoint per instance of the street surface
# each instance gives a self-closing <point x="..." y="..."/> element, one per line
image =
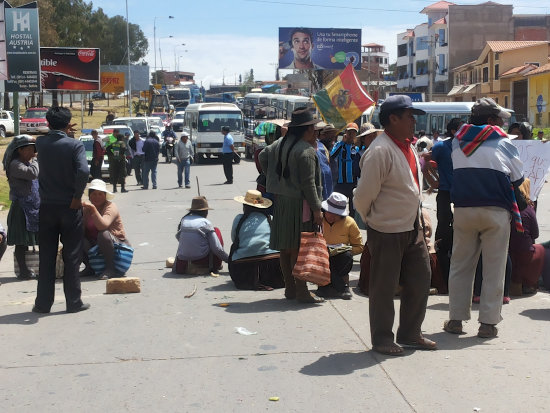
<point x="160" y="352"/>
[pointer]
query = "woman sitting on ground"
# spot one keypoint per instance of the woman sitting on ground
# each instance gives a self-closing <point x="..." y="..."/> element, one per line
<point x="22" y="171"/>
<point x="253" y="265"/>
<point x="344" y="241"/>
<point x="102" y="227"/>
<point x="200" y="248"/>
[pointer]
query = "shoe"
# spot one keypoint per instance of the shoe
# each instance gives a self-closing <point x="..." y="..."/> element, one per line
<point x="310" y="299"/>
<point x="505" y="300"/>
<point x="154" y="187"/>
<point x="476" y="299"/>
<point x="346" y="295"/>
<point x="114" y="190"/>
<point x="35" y="309"/>
<point x="144" y="187"/>
<point x="123" y="190"/>
<point x="453" y="326"/>
<point x="26" y="275"/>
<point x="422" y="343"/>
<point x="179" y="186"/>
<point x="228" y="182"/>
<point x="86" y="272"/>
<point x="389" y="350"/>
<point x="487" y="331"/>
<point x="83" y="307"/>
<point x="187" y="186"/>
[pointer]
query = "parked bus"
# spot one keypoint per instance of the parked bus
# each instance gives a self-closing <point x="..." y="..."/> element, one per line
<point x="203" y="122"/>
<point x="438" y="114"/>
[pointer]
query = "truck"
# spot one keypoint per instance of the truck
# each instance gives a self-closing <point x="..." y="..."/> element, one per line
<point x="183" y="95"/>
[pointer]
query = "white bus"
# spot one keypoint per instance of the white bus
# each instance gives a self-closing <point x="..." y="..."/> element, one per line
<point x="203" y="122"/>
<point x="438" y="115"/>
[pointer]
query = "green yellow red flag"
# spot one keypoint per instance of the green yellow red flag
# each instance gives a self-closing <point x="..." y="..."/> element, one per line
<point x="343" y="100"/>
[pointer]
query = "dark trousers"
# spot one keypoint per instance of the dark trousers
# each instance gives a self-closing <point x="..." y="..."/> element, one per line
<point x="444" y="233"/>
<point x="400" y="257"/>
<point x="227" y="160"/>
<point x="3" y="246"/>
<point x="57" y="221"/>
<point x="340" y="266"/>
<point x="347" y="190"/>
<point x="95" y="170"/>
<point x="137" y="161"/>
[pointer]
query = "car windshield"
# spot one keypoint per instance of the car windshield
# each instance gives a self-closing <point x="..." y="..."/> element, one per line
<point x="179" y="116"/>
<point x="35" y="114"/>
<point x="213" y="121"/>
<point x="163" y="116"/>
<point x="134" y="124"/>
<point x="88" y="144"/>
<point x="122" y="130"/>
<point x="156" y="122"/>
<point x="179" y="94"/>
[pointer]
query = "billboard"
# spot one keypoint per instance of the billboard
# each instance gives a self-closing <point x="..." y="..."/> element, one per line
<point x="22" y="48"/>
<point x="308" y="48"/>
<point x="139" y="75"/>
<point x="112" y="82"/>
<point x="67" y="68"/>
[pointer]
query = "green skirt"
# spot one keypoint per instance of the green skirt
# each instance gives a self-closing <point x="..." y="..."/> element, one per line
<point x="17" y="228"/>
<point x="287" y="223"/>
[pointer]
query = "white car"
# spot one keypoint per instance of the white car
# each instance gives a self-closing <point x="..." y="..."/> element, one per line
<point x="88" y="142"/>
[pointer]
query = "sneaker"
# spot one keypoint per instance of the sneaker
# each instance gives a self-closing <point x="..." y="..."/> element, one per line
<point x="505" y="300"/>
<point x="188" y="186"/>
<point x="154" y="187"/>
<point x="346" y="295"/>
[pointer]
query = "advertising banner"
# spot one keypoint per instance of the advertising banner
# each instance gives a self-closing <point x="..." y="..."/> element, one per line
<point x="3" y="57"/>
<point x="307" y="48"/>
<point x="112" y="82"/>
<point x="535" y="156"/>
<point x="67" y="68"/>
<point x="22" y="48"/>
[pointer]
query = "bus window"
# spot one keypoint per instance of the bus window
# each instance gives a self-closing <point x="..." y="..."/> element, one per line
<point x="421" y="122"/>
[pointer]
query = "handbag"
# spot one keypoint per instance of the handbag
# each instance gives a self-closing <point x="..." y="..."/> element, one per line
<point x="122" y="258"/>
<point x="313" y="259"/>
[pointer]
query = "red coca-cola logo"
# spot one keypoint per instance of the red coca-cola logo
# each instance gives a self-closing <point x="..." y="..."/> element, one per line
<point x="86" y="55"/>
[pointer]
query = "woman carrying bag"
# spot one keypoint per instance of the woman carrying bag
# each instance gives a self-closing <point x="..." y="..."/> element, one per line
<point x="22" y="171"/>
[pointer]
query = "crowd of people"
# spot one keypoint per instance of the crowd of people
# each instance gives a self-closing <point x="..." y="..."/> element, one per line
<point x="309" y="181"/>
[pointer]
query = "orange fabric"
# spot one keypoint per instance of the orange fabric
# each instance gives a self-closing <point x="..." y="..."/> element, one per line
<point x="313" y="263"/>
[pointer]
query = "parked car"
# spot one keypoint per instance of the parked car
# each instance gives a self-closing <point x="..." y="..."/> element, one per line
<point x="163" y="116"/>
<point x="6" y="123"/>
<point x="123" y="129"/>
<point x="88" y="142"/>
<point x="34" y="121"/>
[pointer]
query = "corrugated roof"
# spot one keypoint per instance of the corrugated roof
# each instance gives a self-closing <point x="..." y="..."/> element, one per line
<point x="543" y="69"/>
<point x="503" y="46"/>
<point x="443" y="20"/>
<point x="518" y="70"/>
<point x="440" y="5"/>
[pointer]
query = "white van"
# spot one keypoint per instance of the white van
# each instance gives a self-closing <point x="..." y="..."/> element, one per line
<point x="138" y="123"/>
<point x="203" y="122"/>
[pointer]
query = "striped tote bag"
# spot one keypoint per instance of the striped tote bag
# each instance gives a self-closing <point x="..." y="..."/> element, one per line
<point x="123" y="258"/>
<point x="313" y="259"/>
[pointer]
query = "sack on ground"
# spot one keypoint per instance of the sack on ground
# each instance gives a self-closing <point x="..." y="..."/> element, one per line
<point x="313" y="259"/>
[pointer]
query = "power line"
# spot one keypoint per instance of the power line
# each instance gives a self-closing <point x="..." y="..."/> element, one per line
<point x="327" y="6"/>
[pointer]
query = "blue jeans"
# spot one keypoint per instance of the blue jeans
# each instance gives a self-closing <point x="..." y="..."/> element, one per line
<point x="149" y="166"/>
<point x="184" y="165"/>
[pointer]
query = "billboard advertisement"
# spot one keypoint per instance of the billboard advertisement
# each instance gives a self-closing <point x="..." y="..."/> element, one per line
<point x="308" y="48"/>
<point x="112" y="82"/>
<point x="68" y="68"/>
<point x="22" y="49"/>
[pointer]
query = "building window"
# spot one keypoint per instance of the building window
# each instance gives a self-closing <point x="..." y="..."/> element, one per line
<point x="422" y="67"/>
<point x="441" y="33"/>
<point x="422" y="43"/>
<point x="485" y="74"/>
<point x="441" y="64"/>
<point x="402" y="50"/>
<point x="496" y="72"/>
<point x="497" y="56"/>
<point x="505" y="101"/>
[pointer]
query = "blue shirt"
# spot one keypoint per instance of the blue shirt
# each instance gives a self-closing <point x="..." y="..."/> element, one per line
<point x="227" y="142"/>
<point x="151" y="149"/>
<point x="344" y="154"/>
<point x="253" y="236"/>
<point x="326" y="173"/>
<point x="441" y="153"/>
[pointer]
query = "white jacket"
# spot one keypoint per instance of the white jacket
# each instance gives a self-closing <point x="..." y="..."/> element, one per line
<point x="387" y="197"/>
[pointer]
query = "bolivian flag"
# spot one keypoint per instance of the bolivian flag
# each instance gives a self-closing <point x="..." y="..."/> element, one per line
<point x="343" y="100"/>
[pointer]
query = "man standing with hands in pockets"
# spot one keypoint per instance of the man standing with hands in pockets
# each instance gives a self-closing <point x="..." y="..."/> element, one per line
<point x="228" y="151"/>
<point x="184" y="158"/>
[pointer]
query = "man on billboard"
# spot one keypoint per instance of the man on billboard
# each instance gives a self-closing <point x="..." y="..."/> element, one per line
<point x="301" y="44"/>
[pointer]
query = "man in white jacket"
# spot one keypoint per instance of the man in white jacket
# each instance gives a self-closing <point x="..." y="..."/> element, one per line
<point x="388" y="198"/>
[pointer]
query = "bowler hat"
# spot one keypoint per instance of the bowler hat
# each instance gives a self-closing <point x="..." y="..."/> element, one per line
<point x="302" y="117"/>
<point x="488" y="107"/>
<point x="199" y="203"/>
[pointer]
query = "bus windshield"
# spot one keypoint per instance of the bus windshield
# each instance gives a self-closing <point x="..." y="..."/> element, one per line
<point x="179" y="94"/>
<point x="213" y="121"/>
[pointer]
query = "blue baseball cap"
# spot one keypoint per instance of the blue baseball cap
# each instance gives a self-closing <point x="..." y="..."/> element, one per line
<point x="397" y="102"/>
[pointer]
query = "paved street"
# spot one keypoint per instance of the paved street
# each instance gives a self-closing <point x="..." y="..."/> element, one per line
<point x="160" y="352"/>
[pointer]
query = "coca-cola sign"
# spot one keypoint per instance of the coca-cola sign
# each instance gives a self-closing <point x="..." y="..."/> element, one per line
<point x="86" y="55"/>
<point x="67" y="68"/>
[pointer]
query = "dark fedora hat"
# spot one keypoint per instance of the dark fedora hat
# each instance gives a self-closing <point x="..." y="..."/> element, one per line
<point x="302" y="117"/>
<point x="199" y="203"/>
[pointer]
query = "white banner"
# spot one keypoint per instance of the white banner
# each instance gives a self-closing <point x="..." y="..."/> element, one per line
<point x="535" y="156"/>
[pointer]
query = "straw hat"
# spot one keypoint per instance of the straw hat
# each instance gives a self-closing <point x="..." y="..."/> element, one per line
<point x="199" y="203"/>
<point x="100" y="185"/>
<point x="336" y="203"/>
<point x="254" y="198"/>
<point x="368" y="128"/>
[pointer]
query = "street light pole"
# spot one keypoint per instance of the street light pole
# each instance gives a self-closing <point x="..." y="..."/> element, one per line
<point x="175" y="60"/>
<point x="129" y="67"/>
<point x="155" y="41"/>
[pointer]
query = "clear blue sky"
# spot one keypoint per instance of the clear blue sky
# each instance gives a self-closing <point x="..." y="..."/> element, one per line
<point x="225" y="38"/>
